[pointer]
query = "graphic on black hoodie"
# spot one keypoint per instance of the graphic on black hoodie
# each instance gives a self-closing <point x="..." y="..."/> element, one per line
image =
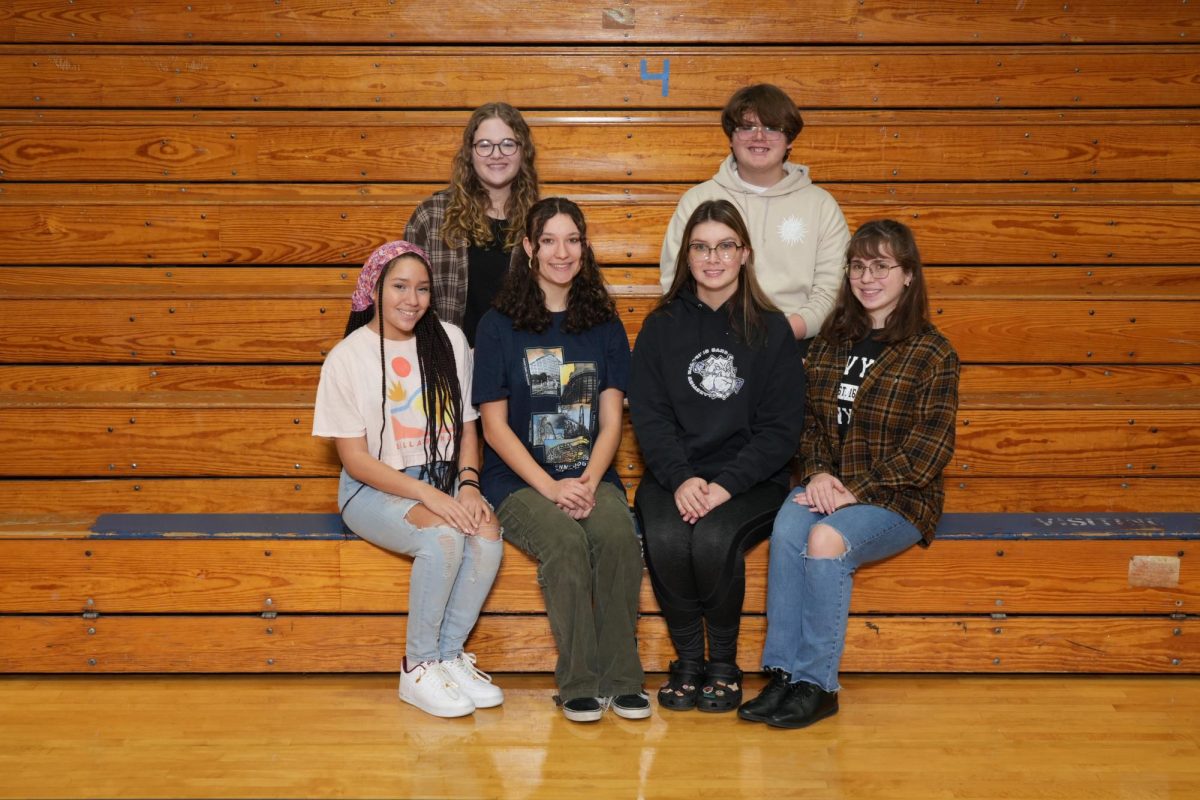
<point x="565" y="434"/>
<point x="713" y="374"/>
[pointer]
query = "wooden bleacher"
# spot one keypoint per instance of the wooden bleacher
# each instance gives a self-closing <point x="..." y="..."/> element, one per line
<point x="187" y="192"/>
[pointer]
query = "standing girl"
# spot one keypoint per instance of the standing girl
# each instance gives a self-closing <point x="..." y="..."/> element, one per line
<point x="882" y="398"/>
<point x="392" y="397"/>
<point x="716" y="400"/>
<point x="551" y="364"/>
<point x="470" y="227"/>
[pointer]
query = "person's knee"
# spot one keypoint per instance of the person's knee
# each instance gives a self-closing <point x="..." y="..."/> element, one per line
<point x="824" y="541"/>
<point x="489" y="530"/>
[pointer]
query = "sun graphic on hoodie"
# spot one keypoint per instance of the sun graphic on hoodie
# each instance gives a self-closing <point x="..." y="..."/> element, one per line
<point x="793" y="230"/>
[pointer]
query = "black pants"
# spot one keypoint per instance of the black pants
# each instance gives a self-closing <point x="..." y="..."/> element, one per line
<point x="698" y="571"/>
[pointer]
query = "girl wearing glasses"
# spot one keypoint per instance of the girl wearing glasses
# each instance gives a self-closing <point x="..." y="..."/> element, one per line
<point x="551" y="366"/>
<point x="799" y="233"/>
<point x="879" y="430"/>
<point x="716" y="399"/>
<point x="470" y="227"/>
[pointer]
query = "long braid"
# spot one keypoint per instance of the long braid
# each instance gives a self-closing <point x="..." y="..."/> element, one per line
<point x="443" y="396"/>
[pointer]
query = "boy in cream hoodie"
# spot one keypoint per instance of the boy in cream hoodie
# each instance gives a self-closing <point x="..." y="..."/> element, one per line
<point x="797" y="229"/>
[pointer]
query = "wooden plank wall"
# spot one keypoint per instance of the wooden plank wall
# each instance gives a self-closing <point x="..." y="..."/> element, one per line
<point x="188" y="189"/>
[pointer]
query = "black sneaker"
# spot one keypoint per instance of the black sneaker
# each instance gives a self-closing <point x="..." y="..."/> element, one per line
<point x="583" y="709"/>
<point x="629" y="706"/>
<point x="804" y="704"/>
<point x="768" y="700"/>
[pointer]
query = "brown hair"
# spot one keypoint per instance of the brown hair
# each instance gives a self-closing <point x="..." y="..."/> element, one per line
<point x="749" y="303"/>
<point x="522" y="299"/>
<point x="466" y="220"/>
<point x="769" y="103"/>
<point x="849" y="320"/>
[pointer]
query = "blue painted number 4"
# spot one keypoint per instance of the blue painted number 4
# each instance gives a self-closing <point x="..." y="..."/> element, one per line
<point x="664" y="76"/>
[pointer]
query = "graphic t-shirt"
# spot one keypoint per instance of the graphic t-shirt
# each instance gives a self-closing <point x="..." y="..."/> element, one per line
<point x="552" y="382"/>
<point x="860" y="361"/>
<point x="350" y="399"/>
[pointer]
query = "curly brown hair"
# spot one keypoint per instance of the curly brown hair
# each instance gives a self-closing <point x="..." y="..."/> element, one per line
<point x="466" y="220"/>
<point x="522" y="299"/>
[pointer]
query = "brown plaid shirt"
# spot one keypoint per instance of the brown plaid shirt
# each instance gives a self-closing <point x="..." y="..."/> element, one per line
<point x="449" y="264"/>
<point x="901" y="436"/>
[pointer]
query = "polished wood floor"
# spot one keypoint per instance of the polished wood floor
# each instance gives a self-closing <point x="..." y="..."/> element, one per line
<point x="897" y="736"/>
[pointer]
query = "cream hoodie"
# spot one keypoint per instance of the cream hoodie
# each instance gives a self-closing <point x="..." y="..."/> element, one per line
<point x="797" y="231"/>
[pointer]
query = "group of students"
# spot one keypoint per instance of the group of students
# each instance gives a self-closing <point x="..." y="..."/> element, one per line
<point x="782" y="348"/>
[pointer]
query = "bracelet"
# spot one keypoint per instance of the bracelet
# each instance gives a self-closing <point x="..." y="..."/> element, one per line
<point x="475" y="484"/>
<point x="464" y="469"/>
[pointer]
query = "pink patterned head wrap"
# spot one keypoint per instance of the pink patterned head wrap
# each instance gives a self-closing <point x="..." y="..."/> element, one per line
<point x="364" y="294"/>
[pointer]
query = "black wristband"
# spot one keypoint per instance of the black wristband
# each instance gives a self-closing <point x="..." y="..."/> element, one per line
<point x="464" y="469"/>
<point x="461" y="484"/>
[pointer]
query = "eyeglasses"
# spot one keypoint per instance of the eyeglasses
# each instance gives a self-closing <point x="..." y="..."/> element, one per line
<point x="485" y="149"/>
<point x="878" y="269"/>
<point x="726" y="250"/>
<point x="748" y="131"/>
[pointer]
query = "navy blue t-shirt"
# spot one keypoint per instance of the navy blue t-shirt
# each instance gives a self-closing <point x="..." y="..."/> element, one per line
<point x="552" y="382"/>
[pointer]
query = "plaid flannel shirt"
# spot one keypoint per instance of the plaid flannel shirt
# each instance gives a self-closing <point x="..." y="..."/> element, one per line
<point x="449" y="264"/>
<point x="901" y="436"/>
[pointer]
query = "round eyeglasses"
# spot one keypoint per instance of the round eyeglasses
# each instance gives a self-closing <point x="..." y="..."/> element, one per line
<point x="878" y="269"/>
<point x="485" y="148"/>
<point x="726" y="250"/>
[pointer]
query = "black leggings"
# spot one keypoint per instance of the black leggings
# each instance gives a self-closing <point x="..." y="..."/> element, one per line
<point x="698" y="571"/>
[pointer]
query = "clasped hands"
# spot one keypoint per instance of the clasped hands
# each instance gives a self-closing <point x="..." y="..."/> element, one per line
<point x="695" y="497"/>
<point x="575" y="496"/>
<point x="824" y="494"/>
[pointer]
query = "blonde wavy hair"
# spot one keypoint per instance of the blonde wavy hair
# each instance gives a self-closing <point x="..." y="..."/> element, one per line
<point x="466" y="220"/>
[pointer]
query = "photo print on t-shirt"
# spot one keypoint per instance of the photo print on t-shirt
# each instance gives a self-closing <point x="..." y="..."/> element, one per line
<point x="563" y="436"/>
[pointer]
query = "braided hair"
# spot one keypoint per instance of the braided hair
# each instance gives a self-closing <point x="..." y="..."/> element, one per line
<point x="439" y="380"/>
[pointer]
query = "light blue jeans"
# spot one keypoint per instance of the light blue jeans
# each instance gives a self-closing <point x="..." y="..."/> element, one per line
<point x="808" y="598"/>
<point x="451" y="573"/>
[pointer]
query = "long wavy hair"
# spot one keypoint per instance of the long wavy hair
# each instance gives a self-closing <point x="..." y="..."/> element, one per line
<point x="749" y="302"/>
<point x="849" y="320"/>
<point x="466" y="221"/>
<point x="438" y="370"/>
<point x="522" y="299"/>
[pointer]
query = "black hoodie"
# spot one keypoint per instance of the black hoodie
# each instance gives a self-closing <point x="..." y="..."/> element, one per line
<point x="704" y="403"/>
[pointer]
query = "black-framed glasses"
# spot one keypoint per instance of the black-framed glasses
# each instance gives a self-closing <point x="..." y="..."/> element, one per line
<point x="748" y="131"/>
<point x="726" y="250"/>
<point x="878" y="269"/>
<point x="485" y="148"/>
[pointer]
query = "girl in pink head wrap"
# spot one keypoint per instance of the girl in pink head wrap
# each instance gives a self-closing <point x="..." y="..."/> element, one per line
<point x="391" y="397"/>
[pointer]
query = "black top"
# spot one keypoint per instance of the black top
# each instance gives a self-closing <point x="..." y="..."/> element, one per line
<point x="705" y="404"/>
<point x="486" y="267"/>
<point x="862" y="357"/>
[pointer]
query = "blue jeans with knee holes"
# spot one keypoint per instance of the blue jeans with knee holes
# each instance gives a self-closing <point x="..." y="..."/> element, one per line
<point x="808" y="598"/>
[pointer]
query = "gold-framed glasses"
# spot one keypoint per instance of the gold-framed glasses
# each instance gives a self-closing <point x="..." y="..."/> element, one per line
<point x="878" y="269"/>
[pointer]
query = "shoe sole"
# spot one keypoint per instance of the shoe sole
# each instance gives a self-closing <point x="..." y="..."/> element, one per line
<point x="444" y="714"/>
<point x="487" y="703"/>
<point x="804" y="724"/>
<point x="750" y="716"/>
<point x="632" y="713"/>
<point x="584" y="716"/>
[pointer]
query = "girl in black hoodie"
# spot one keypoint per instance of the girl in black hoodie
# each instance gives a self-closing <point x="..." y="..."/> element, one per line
<point x="716" y="397"/>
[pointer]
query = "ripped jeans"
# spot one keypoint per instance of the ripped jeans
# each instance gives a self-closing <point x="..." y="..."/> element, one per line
<point x="451" y="573"/>
<point x="808" y="599"/>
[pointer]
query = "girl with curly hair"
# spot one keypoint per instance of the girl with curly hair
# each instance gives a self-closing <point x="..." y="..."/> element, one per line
<point x="470" y="227"/>
<point x="551" y="365"/>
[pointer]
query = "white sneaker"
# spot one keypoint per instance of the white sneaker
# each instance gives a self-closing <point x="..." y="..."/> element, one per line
<point x="429" y="688"/>
<point x="474" y="682"/>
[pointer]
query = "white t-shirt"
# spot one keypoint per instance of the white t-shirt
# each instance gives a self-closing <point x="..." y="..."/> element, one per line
<point x="349" y="395"/>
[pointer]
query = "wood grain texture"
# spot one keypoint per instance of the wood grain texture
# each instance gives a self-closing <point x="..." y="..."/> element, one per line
<point x="56" y="76"/>
<point x="301" y="331"/>
<point x="68" y="506"/>
<point x="677" y="21"/>
<point x="375" y="643"/>
<point x="208" y="225"/>
<point x="213" y="575"/>
<point x="683" y="146"/>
